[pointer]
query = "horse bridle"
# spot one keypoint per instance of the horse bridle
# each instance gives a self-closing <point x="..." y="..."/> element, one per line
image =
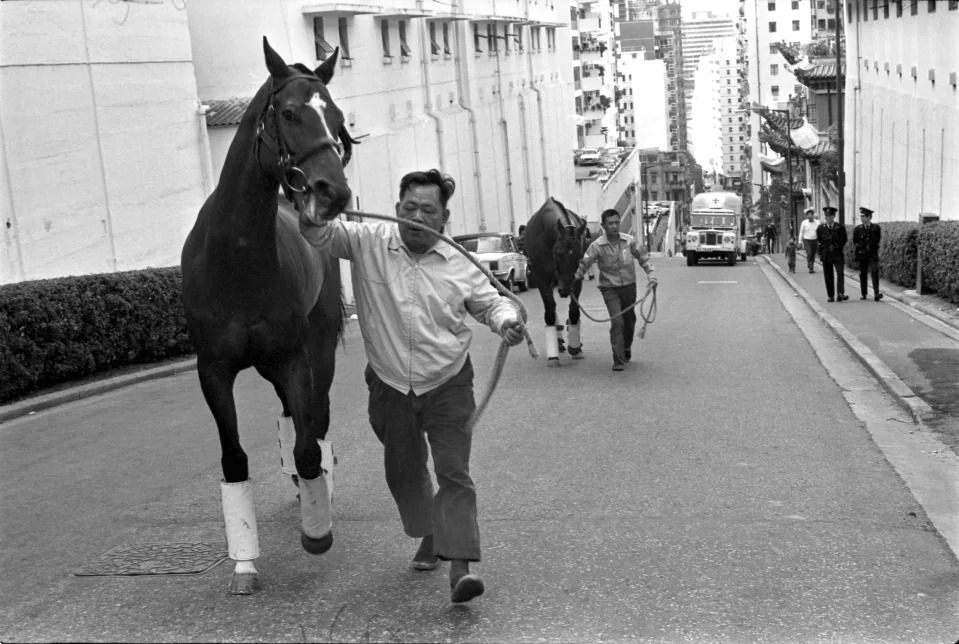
<point x="287" y="165"/>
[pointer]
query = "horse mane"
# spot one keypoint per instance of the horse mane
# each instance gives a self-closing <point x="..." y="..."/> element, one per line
<point x="574" y="219"/>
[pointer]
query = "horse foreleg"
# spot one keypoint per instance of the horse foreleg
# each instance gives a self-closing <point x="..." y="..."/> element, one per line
<point x="573" y="325"/>
<point x="313" y="456"/>
<point x="236" y="491"/>
<point x="549" y="315"/>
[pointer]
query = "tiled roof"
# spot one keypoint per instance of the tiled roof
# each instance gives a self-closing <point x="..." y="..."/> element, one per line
<point x="226" y="112"/>
<point x="823" y="71"/>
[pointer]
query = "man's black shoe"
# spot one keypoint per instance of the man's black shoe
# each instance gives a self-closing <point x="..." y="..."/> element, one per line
<point x="466" y="588"/>
<point x="879" y="297"/>
<point x="843" y="298"/>
<point x="830" y="300"/>
<point x="863" y="298"/>
<point x="619" y="366"/>
<point x="629" y="355"/>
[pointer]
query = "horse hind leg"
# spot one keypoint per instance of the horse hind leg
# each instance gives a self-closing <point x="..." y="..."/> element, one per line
<point x="236" y="491"/>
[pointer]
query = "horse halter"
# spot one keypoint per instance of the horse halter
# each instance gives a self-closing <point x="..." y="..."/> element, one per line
<point x="291" y="177"/>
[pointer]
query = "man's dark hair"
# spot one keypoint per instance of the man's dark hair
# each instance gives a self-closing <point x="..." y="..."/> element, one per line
<point x="429" y="178"/>
<point x="611" y="212"/>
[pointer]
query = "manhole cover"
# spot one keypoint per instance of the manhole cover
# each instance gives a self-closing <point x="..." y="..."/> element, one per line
<point x="155" y="559"/>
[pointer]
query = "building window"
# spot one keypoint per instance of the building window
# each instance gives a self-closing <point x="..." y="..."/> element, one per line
<point x="821" y="4"/>
<point x="476" y="39"/>
<point x="404" y="47"/>
<point x="831" y="23"/>
<point x="774" y="70"/>
<point x="773" y="49"/>
<point x="519" y="39"/>
<point x="795" y="4"/>
<point x="551" y="38"/>
<point x="446" y="39"/>
<point x="506" y="38"/>
<point x="491" y="44"/>
<point x="898" y="4"/>
<point x="344" y="33"/>
<point x="822" y="24"/>
<point x="953" y="4"/>
<point x="775" y="91"/>
<point x="434" y="46"/>
<point x="795" y="25"/>
<point x="323" y="48"/>
<point x="385" y="34"/>
<point x="932" y="6"/>
<point x="771" y="6"/>
<point x="797" y="90"/>
<point x="913" y="7"/>
<point x="772" y="27"/>
<point x="830" y="8"/>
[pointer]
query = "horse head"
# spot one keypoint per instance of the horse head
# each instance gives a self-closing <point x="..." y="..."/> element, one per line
<point x="305" y="144"/>
<point x="568" y="250"/>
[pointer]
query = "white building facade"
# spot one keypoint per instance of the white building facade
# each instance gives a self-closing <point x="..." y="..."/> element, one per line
<point x="481" y="89"/>
<point x="900" y="109"/>
<point x="768" y="22"/>
<point x="644" y="105"/>
<point x="594" y="74"/>
<point x="706" y="116"/>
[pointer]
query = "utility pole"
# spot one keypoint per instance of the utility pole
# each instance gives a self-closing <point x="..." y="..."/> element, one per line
<point x="839" y="79"/>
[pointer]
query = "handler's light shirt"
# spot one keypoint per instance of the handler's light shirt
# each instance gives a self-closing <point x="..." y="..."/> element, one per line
<point x="412" y="308"/>
<point x="615" y="258"/>
<point x="807" y="229"/>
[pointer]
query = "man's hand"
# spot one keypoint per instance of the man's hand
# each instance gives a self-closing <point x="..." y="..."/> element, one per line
<point x="513" y="332"/>
<point x="653" y="281"/>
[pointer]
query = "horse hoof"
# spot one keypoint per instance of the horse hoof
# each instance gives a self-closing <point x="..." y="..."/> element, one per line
<point x="554" y="362"/>
<point x="295" y="479"/>
<point x="244" y="583"/>
<point x="317" y="546"/>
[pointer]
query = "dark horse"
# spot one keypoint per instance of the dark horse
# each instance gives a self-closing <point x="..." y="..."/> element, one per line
<point x="256" y="294"/>
<point x="555" y="241"/>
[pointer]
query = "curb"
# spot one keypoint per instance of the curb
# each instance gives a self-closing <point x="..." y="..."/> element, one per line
<point x="31" y="405"/>
<point x="906" y="397"/>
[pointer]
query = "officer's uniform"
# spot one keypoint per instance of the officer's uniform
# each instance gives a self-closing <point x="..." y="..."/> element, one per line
<point x="832" y="239"/>
<point x="865" y="237"/>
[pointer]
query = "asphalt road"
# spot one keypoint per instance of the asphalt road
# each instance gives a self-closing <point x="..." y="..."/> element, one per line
<point x="721" y="489"/>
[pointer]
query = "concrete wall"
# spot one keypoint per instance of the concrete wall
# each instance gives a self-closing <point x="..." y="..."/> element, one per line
<point x="103" y="162"/>
<point x="902" y="131"/>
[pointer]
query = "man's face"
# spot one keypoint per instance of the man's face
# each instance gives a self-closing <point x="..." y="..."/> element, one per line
<point x="866" y="219"/>
<point x="423" y="205"/>
<point x="611" y="225"/>
<point x="830" y="218"/>
<point x="809" y="216"/>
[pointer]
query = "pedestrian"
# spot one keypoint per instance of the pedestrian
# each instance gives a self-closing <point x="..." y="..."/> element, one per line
<point x="807" y="235"/>
<point x="413" y="296"/>
<point x="521" y="239"/>
<point x="771" y="235"/>
<point x="614" y="251"/>
<point x="791" y="254"/>
<point x="865" y="239"/>
<point x="832" y="239"/>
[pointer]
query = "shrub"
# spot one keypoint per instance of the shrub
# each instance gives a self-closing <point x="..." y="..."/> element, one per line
<point x="57" y="330"/>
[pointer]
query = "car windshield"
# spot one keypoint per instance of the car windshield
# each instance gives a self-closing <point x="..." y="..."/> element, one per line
<point x="482" y="244"/>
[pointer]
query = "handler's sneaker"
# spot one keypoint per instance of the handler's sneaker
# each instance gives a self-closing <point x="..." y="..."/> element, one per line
<point x="424" y="559"/>
<point x="619" y="366"/>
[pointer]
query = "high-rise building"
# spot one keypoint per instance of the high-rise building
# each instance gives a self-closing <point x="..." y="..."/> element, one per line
<point x="700" y="32"/>
<point x="767" y="23"/>
<point x="591" y="28"/>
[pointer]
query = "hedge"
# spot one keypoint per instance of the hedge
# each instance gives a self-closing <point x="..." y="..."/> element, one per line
<point x="58" y="330"/>
<point x="898" y="252"/>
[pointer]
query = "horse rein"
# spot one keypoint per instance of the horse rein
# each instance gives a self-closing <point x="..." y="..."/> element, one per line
<point x="647" y="318"/>
<point x="287" y="164"/>
<point x="504" y="345"/>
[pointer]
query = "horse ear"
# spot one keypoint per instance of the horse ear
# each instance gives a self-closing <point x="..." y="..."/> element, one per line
<point x="325" y="71"/>
<point x="274" y="62"/>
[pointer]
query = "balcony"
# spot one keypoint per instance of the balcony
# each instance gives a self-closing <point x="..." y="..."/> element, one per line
<point x="588" y="24"/>
<point x="592" y="83"/>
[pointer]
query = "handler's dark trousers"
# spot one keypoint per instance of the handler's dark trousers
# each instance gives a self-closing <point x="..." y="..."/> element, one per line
<point x="827" y="273"/>
<point x="869" y="267"/>
<point x="622" y="326"/>
<point x="403" y="423"/>
<point x="811" y="245"/>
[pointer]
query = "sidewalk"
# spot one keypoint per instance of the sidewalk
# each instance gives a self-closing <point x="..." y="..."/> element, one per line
<point x="910" y="344"/>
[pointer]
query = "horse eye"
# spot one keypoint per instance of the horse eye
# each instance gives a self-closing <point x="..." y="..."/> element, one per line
<point x="287" y="114"/>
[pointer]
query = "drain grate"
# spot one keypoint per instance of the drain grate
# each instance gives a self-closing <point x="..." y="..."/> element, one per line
<point x="155" y="559"/>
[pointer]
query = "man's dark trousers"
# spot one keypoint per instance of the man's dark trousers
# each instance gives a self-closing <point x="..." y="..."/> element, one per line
<point x="622" y="326"/>
<point x="400" y="422"/>
<point x="827" y="269"/>
<point x="811" y="245"/>
<point x="869" y="267"/>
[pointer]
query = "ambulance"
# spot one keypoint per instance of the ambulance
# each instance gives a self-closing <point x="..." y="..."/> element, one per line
<point x="714" y="228"/>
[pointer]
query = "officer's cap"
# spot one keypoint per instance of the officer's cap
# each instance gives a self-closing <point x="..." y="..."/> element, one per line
<point x="830" y="210"/>
<point x="865" y="212"/>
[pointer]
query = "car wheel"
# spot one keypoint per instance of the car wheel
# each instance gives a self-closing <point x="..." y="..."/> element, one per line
<point x="690" y="259"/>
<point x="509" y="283"/>
<point x="523" y="286"/>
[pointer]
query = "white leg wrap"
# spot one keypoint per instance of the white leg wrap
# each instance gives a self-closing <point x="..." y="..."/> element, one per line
<point x="287" y="434"/>
<point x="552" y="343"/>
<point x="239" y="517"/>
<point x="316" y="498"/>
<point x="575" y="341"/>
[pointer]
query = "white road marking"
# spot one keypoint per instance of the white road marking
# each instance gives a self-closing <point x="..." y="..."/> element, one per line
<point x="720" y="282"/>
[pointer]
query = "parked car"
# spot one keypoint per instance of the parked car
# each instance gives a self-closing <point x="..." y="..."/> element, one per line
<point x="589" y="156"/>
<point x="500" y="254"/>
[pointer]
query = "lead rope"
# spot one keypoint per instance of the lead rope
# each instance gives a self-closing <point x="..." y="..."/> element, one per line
<point x="647" y="317"/>
<point x="504" y="345"/>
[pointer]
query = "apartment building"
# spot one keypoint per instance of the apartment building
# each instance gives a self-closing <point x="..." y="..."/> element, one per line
<point x="706" y="116"/>
<point x="700" y="32"/>
<point x="901" y="118"/>
<point x="643" y="104"/>
<point x="766" y="23"/>
<point x="482" y="89"/>
<point x="594" y="74"/>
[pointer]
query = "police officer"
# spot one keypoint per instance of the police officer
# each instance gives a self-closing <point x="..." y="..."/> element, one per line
<point x="865" y="238"/>
<point x="832" y="239"/>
